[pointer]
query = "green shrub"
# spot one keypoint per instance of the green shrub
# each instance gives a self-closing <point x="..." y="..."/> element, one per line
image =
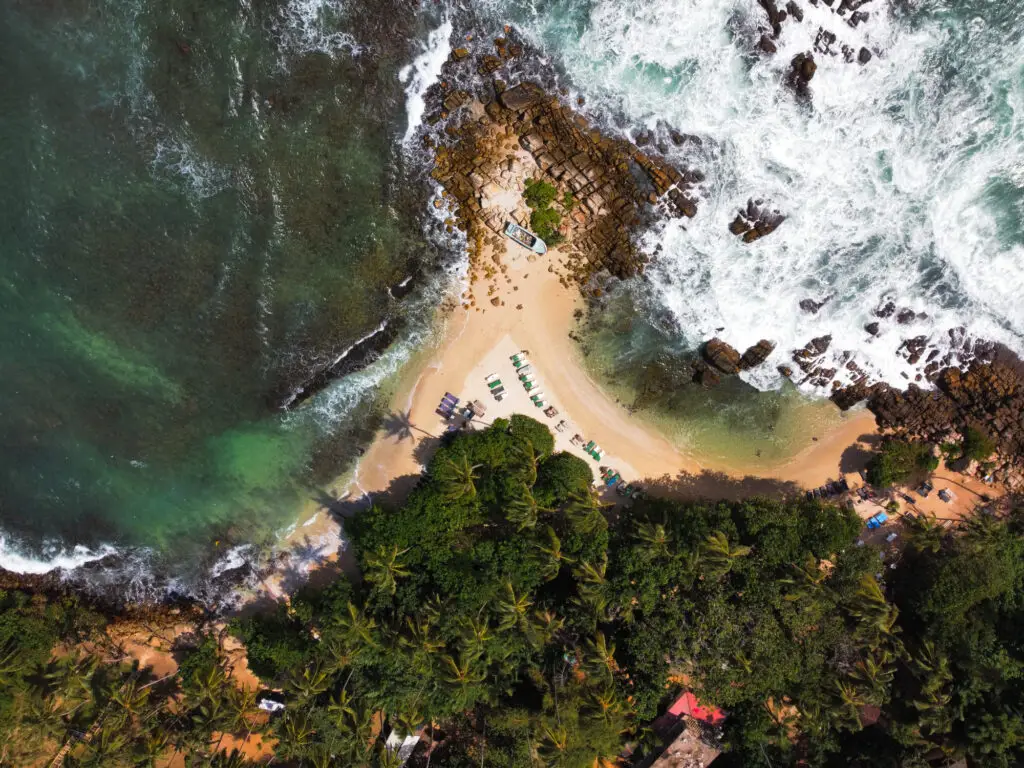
<point x="561" y="476"/>
<point x="951" y="451"/>
<point x="544" y="222"/>
<point x="977" y="445"/>
<point x="540" y="436"/>
<point x="900" y="460"/>
<point x="568" y="201"/>
<point x="539" y="194"/>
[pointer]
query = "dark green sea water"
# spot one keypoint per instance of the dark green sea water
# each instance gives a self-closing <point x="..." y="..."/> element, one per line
<point x="200" y="204"/>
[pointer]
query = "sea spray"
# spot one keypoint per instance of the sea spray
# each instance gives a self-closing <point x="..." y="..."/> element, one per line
<point x="900" y="181"/>
<point x="423" y="73"/>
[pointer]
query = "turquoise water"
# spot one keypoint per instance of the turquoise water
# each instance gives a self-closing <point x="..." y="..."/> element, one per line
<point x="198" y="209"/>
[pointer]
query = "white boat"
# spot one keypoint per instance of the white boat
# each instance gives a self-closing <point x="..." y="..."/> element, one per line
<point x="525" y="238"/>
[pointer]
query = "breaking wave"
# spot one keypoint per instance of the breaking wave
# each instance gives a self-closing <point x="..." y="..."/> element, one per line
<point x="900" y="179"/>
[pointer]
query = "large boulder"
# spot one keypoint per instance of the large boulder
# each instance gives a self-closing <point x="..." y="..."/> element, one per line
<point x="522" y="96"/>
<point x="722" y="355"/>
<point x="756" y="354"/>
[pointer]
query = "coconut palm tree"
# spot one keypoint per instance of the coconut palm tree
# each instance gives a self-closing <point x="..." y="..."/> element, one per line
<point x="13" y="665"/>
<point x="523" y="511"/>
<point x="544" y="627"/>
<point x="309" y="683"/>
<point x="877" y="616"/>
<point x="719" y="555"/>
<point x="924" y="534"/>
<point x="72" y="678"/>
<point x="872" y="675"/>
<point x="476" y="634"/>
<point x="599" y="656"/>
<point x="459" y="477"/>
<point x="553" y="557"/>
<point x="654" y="538"/>
<point x="603" y="704"/>
<point x="514" y="609"/>
<point x="294" y="734"/>
<point x="463" y="678"/>
<point x="584" y="512"/>
<point x="384" y="568"/>
<point x="356" y="628"/>
<point x="420" y="640"/>
<point x="552" y="746"/>
<point x="526" y="460"/>
<point x="849" y="702"/>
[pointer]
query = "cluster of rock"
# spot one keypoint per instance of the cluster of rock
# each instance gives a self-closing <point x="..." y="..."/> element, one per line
<point x="988" y="395"/>
<point x="755" y="221"/>
<point x="826" y="41"/>
<point x="720" y="357"/>
<point x="614" y="186"/>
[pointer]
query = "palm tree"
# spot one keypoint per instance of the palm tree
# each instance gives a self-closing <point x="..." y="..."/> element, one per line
<point x="527" y="461"/>
<point x="458" y="476"/>
<point x="850" y="702"/>
<point x="464" y="678"/>
<point x="592" y="595"/>
<point x="603" y="705"/>
<point x="72" y="677"/>
<point x="545" y="626"/>
<point x="552" y="746"/>
<point x="719" y="555"/>
<point x="554" y="558"/>
<point x="294" y="734"/>
<point x="475" y="634"/>
<point x="924" y="534"/>
<point x="514" y="609"/>
<point x="872" y="675"/>
<point x="311" y="682"/>
<point x="420" y="639"/>
<point x="584" y="512"/>
<point x="383" y="568"/>
<point x="600" y="656"/>
<point x="12" y="665"/>
<point x="106" y="747"/>
<point x="523" y="510"/>
<point x="654" y="537"/>
<point x="232" y="759"/>
<point x="357" y="628"/>
<point x="877" y="616"/>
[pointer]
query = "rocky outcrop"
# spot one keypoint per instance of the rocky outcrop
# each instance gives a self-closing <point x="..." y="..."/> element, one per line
<point x="987" y="395"/>
<point x="801" y="71"/>
<point x="755" y="221"/>
<point x="756" y="354"/>
<point x="722" y="356"/>
<point x="811" y="306"/>
<point x="613" y="187"/>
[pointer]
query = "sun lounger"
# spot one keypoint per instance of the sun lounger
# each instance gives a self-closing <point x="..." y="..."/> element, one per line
<point x="612" y="480"/>
<point x="494" y="384"/>
<point x="542" y="404"/>
<point x="522" y="363"/>
<point x="443" y="413"/>
<point x="500" y="397"/>
<point x="536" y="396"/>
<point x="524" y="370"/>
<point x="588" y="446"/>
<point x="531" y="385"/>
<point x="498" y="391"/>
<point x="517" y="356"/>
<point x="527" y="377"/>
<point x="577" y="440"/>
<point x="451" y="398"/>
<point x="490" y="377"/>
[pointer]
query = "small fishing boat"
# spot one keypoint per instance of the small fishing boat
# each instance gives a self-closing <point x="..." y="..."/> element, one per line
<point x="526" y="239"/>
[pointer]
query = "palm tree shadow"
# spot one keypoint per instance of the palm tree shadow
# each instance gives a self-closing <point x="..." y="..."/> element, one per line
<point x="715" y="486"/>
<point x="399" y="426"/>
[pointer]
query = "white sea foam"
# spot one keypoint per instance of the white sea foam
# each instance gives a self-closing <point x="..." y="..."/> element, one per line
<point x="316" y="26"/>
<point x="50" y="557"/>
<point x="177" y="155"/>
<point x="423" y="73"/>
<point x="886" y="178"/>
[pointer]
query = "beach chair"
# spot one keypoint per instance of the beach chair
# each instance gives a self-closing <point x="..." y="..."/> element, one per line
<point x="536" y="396"/>
<point x="577" y="440"/>
<point x="494" y="384"/>
<point x="490" y="377"/>
<point x="588" y="446"/>
<point x="517" y="357"/>
<point x="498" y="391"/>
<point x="522" y="363"/>
<point x="531" y="385"/>
<point x="524" y="369"/>
<point x="451" y="398"/>
<point x="542" y="404"/>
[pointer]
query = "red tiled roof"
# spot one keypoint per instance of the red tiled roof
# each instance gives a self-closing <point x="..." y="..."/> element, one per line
<point x="687" y="704"/>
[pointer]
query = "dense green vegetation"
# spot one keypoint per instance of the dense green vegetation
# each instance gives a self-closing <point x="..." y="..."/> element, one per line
<point x="525" y="624"/>
<point x="545" y="220"/>
<point x="899" y="461"/>
<point x="977" y="446"/>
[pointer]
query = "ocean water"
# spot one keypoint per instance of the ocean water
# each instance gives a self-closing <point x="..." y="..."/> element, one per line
<point x="206" y="204"/>
<point x="902" y="180"/>
<point x="202" y="205"/>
